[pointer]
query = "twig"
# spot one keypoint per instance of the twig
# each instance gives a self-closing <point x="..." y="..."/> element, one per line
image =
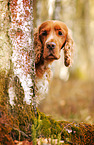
<point x="16" y="129"/>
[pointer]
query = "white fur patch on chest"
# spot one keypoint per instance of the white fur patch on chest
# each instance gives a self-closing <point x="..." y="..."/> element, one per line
<point x="42" y="86"/>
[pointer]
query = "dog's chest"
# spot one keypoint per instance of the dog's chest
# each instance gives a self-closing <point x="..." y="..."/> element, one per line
<point x="42" y="86"/>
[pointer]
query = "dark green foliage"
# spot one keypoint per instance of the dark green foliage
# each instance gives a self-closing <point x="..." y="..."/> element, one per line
<point x="58" y="139"/>
<point x="55" y="128"/>
<point x="36" y="129"/>
<point x="34" y="137"/>
<point x="46" y="128"/>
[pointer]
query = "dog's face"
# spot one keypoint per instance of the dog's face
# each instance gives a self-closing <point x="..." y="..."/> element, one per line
<point x="49" y="39"/>
<point x="52" y="35"/>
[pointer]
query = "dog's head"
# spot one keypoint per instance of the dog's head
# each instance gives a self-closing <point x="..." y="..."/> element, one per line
<point x="49" y="39"/>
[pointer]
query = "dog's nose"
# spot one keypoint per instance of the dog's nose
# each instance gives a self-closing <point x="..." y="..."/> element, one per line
<point x="51" y="45"/>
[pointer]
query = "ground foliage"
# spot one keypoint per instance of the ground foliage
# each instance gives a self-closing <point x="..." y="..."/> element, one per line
<point x="21" y="123"/>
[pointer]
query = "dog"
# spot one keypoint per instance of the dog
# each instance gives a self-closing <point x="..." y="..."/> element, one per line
<point x="49" y="38"/>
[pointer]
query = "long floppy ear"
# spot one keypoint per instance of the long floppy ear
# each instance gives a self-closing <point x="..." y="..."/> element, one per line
<point x="37" y="46"/>
<point x="68" y="50"/>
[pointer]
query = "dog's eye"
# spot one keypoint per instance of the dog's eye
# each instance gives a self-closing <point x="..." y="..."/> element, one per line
<point x="44" y="33"/>
<point x="60" y="33"/>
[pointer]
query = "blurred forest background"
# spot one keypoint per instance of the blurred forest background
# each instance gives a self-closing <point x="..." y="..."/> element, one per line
<point x="71" y="93"/>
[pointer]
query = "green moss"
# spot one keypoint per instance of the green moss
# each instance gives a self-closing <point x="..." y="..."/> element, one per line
<point x="55" y="128"/>
<point x="25" y="124"/>
<point x="46" y="128"/>
<point x="58" y="139"/>
<point x="5" y="126"/>
<point x="34" y="138"/>
<point x="79" y="133"/>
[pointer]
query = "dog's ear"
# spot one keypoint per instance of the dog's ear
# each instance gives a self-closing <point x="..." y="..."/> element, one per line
<point x="68" y="50"/>
<point x="37" y="46"/>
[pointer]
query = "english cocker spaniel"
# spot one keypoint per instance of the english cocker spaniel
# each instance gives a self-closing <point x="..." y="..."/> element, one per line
<point x="50" y="37"/>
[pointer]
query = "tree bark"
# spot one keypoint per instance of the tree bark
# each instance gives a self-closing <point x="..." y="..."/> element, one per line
<point x="5" y="48"/>
<point x="16" y="42"/>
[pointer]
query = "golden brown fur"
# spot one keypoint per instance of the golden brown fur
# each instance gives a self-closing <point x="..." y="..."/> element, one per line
<point x="49" y="39"/>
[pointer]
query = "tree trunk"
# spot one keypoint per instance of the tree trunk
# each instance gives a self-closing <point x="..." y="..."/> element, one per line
<point x="17" y="53"/>
<point x="5" y="48"/>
